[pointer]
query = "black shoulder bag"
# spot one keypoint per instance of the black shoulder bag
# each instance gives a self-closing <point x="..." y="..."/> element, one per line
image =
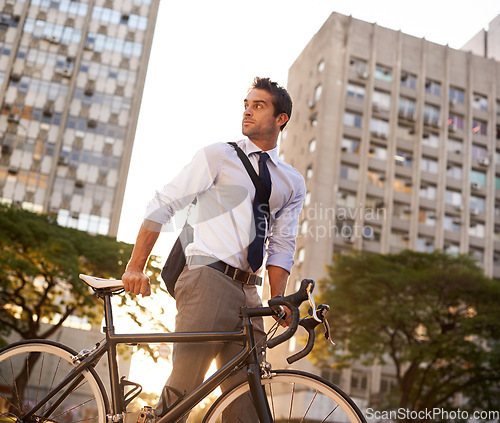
<point x="176" y="260"/>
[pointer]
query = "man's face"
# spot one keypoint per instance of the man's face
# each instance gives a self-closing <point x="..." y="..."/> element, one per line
<point x="259" y="122"/>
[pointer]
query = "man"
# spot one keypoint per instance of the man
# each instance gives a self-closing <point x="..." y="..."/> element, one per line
<point x="208" y="297"/>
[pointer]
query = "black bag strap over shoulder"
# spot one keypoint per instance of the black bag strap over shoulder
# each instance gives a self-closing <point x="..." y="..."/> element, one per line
<point x="177" y="258"/>
<point x="260" y="187"/>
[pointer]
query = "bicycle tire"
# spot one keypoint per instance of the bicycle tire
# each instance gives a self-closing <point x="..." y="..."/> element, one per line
<point x="296" y="396"/>
<point x="87" y="402"/>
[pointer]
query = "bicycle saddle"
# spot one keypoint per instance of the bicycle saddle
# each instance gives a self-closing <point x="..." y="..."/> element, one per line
<point x="100" y="283"/>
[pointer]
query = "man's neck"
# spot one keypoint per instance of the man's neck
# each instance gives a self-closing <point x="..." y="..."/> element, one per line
<point x="265" y="145"/>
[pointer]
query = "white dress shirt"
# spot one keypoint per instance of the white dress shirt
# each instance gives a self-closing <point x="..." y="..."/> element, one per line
<point x="223" y="217"/>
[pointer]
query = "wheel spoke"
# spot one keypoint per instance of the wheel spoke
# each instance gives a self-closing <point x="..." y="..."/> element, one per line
<point x="272" y="401"/>
<point x="40" y="377"/>
<point x="65" y="412"/>
<point x="309" y="407"/>
<point x="14" y="388"/>
<point x="329" y="414"/>
<point x="291" y="403"/>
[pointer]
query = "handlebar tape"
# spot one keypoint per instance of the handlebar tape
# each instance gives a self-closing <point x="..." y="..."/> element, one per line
<point x="309" y="325"/>
<point x="293" y="302"/>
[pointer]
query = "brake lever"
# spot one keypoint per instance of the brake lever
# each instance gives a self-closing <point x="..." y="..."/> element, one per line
<point x="327" y="332"/>
<point x="312" y="311"/>
<point x="323" y="310"/>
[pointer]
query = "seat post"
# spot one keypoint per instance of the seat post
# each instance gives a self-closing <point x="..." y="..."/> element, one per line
<point x="108" y="313"/>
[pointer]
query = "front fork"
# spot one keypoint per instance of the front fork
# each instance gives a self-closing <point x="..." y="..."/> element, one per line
<point x="258" y="392"/>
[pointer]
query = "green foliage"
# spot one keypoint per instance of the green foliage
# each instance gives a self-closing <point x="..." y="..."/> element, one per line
<point x="435" y="317"/>
<point x="39" y="266"/>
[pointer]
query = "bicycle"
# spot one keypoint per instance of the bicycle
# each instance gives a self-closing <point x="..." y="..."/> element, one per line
<point x="63" y="385"/>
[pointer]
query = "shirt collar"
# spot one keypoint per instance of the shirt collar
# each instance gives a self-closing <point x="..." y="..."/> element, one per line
<point x="250" y="148"/>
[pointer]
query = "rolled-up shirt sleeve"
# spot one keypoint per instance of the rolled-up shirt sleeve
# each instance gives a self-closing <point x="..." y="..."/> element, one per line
<point x="197" y="176"/>
<point x="281" y="247"/>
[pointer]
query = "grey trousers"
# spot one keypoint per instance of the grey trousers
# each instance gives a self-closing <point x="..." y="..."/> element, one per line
<point x="207" y="300"/>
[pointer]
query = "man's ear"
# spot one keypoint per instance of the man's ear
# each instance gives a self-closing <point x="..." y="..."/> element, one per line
<point x="282" y="118"/>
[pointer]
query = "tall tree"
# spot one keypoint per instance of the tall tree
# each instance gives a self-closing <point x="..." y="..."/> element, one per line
<point x="39" y="266"/>
<point x="436" y="317"/>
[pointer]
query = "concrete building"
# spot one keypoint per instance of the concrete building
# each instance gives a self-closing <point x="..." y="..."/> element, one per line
<point x="398" y="139"/>
<point x="71" y="80"/>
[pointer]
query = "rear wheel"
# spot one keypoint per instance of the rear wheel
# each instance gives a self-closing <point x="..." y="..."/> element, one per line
<point x="294" y="397"/>
<point x="29" y="370"/>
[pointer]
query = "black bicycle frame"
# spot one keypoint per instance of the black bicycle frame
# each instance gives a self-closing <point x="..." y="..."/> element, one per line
<point x="248" y="354"/>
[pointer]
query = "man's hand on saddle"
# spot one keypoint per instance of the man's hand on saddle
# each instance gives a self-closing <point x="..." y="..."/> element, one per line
<point x="136" y="282"/>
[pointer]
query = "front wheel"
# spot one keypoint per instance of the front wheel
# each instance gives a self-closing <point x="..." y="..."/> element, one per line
<point x="29" y="370"/>
<point x="293" y="397"/>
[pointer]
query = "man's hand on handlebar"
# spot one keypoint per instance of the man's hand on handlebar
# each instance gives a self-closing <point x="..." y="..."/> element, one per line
<point x="136" y="282"/>
<point x="285" y="318"/>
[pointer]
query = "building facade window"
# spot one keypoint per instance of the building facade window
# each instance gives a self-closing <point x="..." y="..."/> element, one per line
<point x="455" y="122"/>
<point x="479" y="102"/>
<point x="349" y="172"/>
<point x="478" y="178"/>
<point x="301" y="255"/>
<point x="429" y="165"/>
<point x="356" y="91"/>
<point x="346" y="199"/>
<point x="433" y="87"/>
<point x="479" y="127"/>
<point x="381" y="100"/>
<point x="425" y="245"/>
<point x="454" y="146"/>
<point x="317" y="93"/>
<point x="477" y="204"/>
<point x="350" y="145"/>
<point x="456" y="95"/>
<point x="430" y="139"/>
<point x="383" y="73"/>
<point x="451" y="223"/>
<point x="477" y="229"/>
<point x="427" y="217"/>
<point x="431" y="115"/>
<point x="399" y="239"/>
<point x="309" y="172"/>
<point x="454" y="171"/>
<point x="359" y="67"/>
<point x="321" y="66"/>
<point x="429" y="192"/>
<point x="408" y="80"/>
<point x="453" y="197"/>
<point x="379" y="128"/>
<point x="402" y="185"/>
<point x="406" y="108"/>
<point x="353" y="119"/>
<point x="375" y="178"/>
<point x="451" y="248"/>
<point x="403" y="158"/>
<point x="377" y="152"/>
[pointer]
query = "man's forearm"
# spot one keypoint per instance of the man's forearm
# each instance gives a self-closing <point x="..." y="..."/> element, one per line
<point x="146" y="239"/>
<point x="278" y="278"/>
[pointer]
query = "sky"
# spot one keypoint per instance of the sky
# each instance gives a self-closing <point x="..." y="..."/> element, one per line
<point x="205" y="55"/>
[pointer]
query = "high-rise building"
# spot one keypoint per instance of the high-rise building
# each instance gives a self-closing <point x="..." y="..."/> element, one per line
<point x="71" y="80"/>
<point x="398" y="139"/>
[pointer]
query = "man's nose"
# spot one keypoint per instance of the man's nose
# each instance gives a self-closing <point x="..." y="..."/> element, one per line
<point x="248" y="111"/>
